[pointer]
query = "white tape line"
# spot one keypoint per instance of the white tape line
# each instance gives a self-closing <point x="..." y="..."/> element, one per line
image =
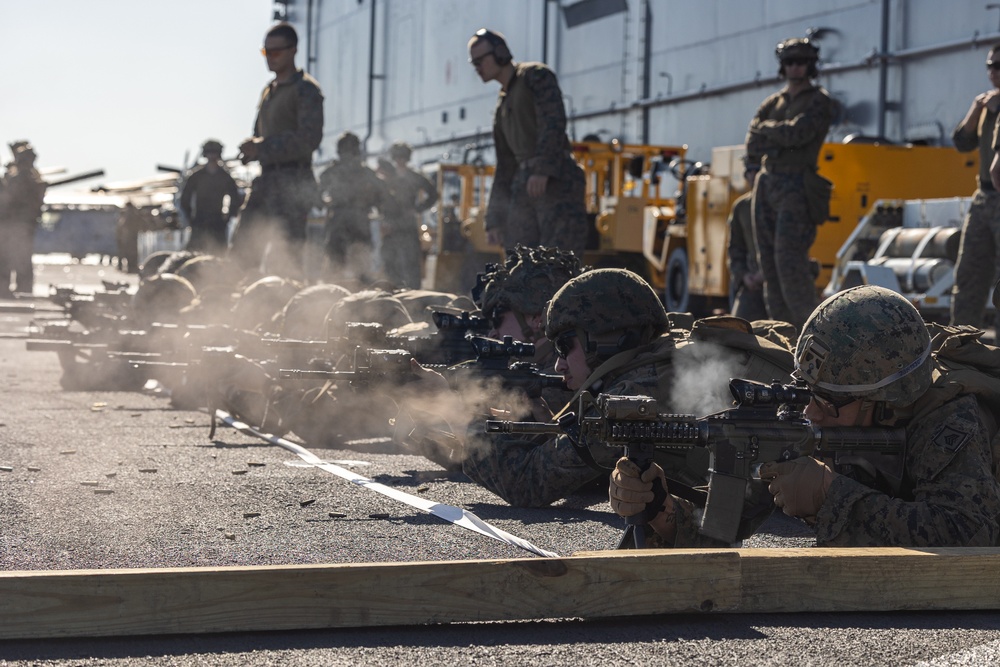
<point x="450" y="513"/>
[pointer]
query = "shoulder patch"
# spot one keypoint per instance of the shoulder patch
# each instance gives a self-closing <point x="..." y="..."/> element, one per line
<point x="949" y="438"/>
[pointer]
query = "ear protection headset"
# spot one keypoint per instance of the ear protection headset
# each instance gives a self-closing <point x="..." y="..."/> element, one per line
<point x="500" y="51"/>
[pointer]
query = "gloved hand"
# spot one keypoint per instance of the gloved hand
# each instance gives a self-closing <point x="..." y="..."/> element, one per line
<point x="631" y="492"/>
<point x="799" y="486"/>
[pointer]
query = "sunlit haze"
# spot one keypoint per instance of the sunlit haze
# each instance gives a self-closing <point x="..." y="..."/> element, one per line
<point x="125" y="85"/>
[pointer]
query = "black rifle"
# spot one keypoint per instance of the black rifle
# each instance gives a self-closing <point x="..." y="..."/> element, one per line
<point x="494" y="358"/>
<point x="765" y="425"/>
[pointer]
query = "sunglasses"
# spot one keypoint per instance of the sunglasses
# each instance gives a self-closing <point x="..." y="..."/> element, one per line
<point x="831" y="405"/>
<point x="564" y="343"/>
<point x="795" y="61"/>
<point x="993" y="65"/>
<point x="477" y="61"/>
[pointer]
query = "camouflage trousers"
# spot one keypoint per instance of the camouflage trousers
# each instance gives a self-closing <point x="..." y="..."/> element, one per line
<point x="272" y="223"/>
<point x="749" y="304"/>
<point x="402" y="258"/>
<point x="784" y="233"/>
<point x="978" y="263"/>
<point x="557" y="219"/>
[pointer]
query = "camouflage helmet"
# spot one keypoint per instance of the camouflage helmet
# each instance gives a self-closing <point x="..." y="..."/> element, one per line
<point x="527" y="280"/>
<point x="796" y="47"/>
<point x="400" y="151"/>
<point x="605" y="300"/>
<point x="161" y="298"/>
<point x="212" y="146"/>
<point x="348" y="144"/>
<point x="844" y="351"/>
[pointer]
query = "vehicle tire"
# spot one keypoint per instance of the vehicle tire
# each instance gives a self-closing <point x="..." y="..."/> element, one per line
<point x="676" y="294"/>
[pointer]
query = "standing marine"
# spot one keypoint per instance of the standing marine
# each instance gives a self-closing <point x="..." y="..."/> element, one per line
<point x="790" y="198"/>
<point x="203" y="201"/>
<point x="538" y="189"/>
<point x="979" y="252"/>
<point x="288" y="128"/>
<point x="23" y="195"/>
<point x="402" y="257"/>
<point x="351" y="192"/>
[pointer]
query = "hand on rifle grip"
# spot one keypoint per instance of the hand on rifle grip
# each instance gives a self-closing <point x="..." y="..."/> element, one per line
<point x="799" y="486"/>
<point x="634" y="491"/>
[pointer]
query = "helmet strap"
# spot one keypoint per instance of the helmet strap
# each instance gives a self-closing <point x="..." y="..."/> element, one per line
<point x="867" y="408"/>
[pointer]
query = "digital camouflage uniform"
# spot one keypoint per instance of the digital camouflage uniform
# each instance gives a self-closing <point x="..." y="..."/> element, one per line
<point x="537" y="471"/>
<point x="948" y="495"/>
<point x="351" y="190"/>
<point x="529" y="130"/>
<point x="978" y="264"/>
<point x="24" y="193"/>
<point x="747" y="303"/>
<point x="202" y="200"/>
<point x="784" y="140"/>
<point x="290" y="121"/>
<point x="400" y="250"/>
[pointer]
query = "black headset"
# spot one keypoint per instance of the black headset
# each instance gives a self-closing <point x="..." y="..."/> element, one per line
<point x="500" y="51"/>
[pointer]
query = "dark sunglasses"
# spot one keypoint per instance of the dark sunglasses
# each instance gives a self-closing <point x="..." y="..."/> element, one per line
<point x="564" y="343"/>
<point x="477" y="61"/>
<point x="993" y="64"/>
<point x="795" y="61"/>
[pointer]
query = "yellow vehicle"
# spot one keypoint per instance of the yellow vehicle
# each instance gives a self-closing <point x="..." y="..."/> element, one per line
<point x="692" y="256"/>
<point x="622" y="182"/>
<point x="678" y="240"/>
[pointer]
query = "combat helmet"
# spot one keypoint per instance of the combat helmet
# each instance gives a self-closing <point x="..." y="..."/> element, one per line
<point x="607" y="300"/>
<point x="866" y="342"/>
<point x="797" y="47"/>
<point x="212" y="146"/>
<point x="527" y="280"/>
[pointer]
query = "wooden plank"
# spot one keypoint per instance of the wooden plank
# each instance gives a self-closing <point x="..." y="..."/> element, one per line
<point x="193" y="600"/>
<point x="872" y="580"/>
<point x="589" y="585"/>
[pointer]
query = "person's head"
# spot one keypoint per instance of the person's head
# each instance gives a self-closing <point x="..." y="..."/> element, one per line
<point x="797" y="59"/>
<point x="348" y="146"/>
<point x="860" y="348"/>
<point x="24" y="153"/>
<point x="211" y="150"/>
<point x="489" y="54"/>
<point x="515" y="294"/>
<point x="400" y="152"/>
<point x="993" y="65"/>
<point x="599" y="314"/>
<point x="280" y="46"/>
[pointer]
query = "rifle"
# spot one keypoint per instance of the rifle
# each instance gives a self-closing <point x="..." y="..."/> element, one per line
<point x="494" y="359"/>
<point x="371" y="367"/>
<point x="766" y="424"/>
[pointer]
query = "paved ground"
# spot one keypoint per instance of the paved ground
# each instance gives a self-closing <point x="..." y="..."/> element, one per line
<point x="167" y="495"/>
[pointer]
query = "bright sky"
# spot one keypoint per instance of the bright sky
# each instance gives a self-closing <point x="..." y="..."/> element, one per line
<point x="124" y="85"/>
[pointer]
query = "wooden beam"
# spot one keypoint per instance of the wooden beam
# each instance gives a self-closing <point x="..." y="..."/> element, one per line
<point x="590" y="585"/>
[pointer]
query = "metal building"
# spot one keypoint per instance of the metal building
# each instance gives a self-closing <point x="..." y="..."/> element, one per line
<point x="642" y="71"/>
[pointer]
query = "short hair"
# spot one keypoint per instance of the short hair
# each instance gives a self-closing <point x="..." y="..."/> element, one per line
<point x="286" y="31"/>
